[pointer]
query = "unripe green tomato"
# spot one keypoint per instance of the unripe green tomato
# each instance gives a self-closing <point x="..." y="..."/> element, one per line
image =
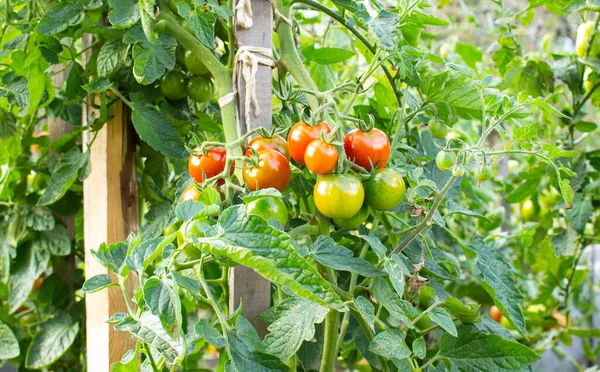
<point x="384" y="190"/>
<point x="171" y="229"/>
<point x="549" y="198"/>
<point x="484" y="172"/>
<point x="269" y="207"/>
<point x="584" y="34"/>
<point x="173" y="85"/>
<point x="529" y="210"/>
<point x="535" y="309"/>
<point x="192" y="228"/>
<point x="496" y="217"/>
<point x="458" y="171"/>
<point x="193" y="64"/>
<point x="200" y="89"/>
<point x="445" y="160"/>
<point x="437" y="128"/>
<point x="505" y="323"/>
<point x="355" y="221"/>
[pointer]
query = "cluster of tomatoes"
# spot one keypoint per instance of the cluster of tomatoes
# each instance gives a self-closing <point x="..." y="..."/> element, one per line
<point x="341" y="196"/>
<point x="176" y="84"/>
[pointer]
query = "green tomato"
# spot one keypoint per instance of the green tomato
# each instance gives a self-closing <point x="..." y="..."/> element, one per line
<point x="193" y="64"/>
<point x="437" y="128"/>
<point x="384" y="190"/>
<point x="484" y="172"/>
<point x="529" y="210"/>
<point x="338" y="195"/>
<point x="200" y="89"/>
<point x="496" y="217"/>
<point x="269" y="207"/>
<point x="549" y="198"/>
<point x="173" y="85"/>
<point x="355" y="221"/>
<point x="445" y="160"/>
<point x="192" y="228"/>
<point x="458" y="171"/>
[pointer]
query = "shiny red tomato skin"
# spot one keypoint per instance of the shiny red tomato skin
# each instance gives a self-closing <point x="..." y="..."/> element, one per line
<point x="366" y="148"/>
<point x="320" y="157"/>
<point x="272" y="170"/>
<point x="261" y="143"/>
<point x="212" y="163"/>
<point x="301" y="135"/>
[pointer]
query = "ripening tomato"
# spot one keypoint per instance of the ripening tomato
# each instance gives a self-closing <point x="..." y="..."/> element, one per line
<point x="338" y="195"/>
<point x="38" y="283"/>
<point x="437" y="128"/>
<point x="367" y="149"/>
<point x="505" y="322"/>
<point x="205" y="166"/>
<point x="301" y="135"/>
<point x="272" y="170"/>
<point x="190" y="193"/>
<point x="321" y="157"/>
<point x="355" y="221"/>
<point x="261" y="143"/>
<point x="384" y="190"/>
<point x="200" y="89"/>
<point x="174" y="85"/>
<point x="495" y="314"/>
<point x="269" y="207"/>
<point x="193" y="64"/>
<point x="445" y="160"/>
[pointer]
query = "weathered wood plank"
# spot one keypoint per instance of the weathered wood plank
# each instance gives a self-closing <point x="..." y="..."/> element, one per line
<point x="110" y="215"/>
<point x="245" y="285"/>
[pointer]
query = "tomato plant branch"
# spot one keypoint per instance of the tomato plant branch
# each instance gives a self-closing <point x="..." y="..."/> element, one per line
<point x="329" y="348"/>
<point x="427" y="311"/>
<point x="369" y="334"/>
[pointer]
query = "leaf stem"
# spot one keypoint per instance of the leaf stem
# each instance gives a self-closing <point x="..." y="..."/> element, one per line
<point x="427" y="311"/>
<point x="329" y="348"/>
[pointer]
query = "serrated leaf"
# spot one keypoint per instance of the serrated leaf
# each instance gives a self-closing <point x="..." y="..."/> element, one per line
<point x="295" y="325"/>
<point x="206" y="331"/>
<point x="97" y="86"/>
<point x="454" y="208"/>
<point x="250" y="241"/>
<point x="123" y="13"/>
<point x="385" y="26"/>
<point x="163" y="301"/>
<point x="541" y="103"/>
<point x="30" y="263"/>
<point x="153" y="59"/>
<point x="566" y="191"/>
<point x="56" y="241"/>
<point x="203" y="25"/>
<point x="555" y="153"/>
<point x="390" y="344"/>
<point x="440" y="316"/>
<point x="112" y="256"/>
<point x="149" y="329"/>
<point x="54" y="338"/>
<point x="493" y="272"/>
<point x="64" y="175"/>
<point x="580" y="214"/>
<point x="156" y="130"/>
<point x="527" y="132"/>
<point x="9" y="345"/>
<point x="397" y="270"/>
<point x="376" y="245"/>
<point x="325" y="251"/>
<point x="469" y="53"/>
<point x="59" y="17"/>
<point x="97" y="283"/>
<point x="398" y="308"/>
<point x="465" y="313"/>
<point x="476" y="351"/>
<point x="111" y="57"/>
<point x="191" y="209"/>
<point x="142" y="255"/>
<point x="526" y="189"/>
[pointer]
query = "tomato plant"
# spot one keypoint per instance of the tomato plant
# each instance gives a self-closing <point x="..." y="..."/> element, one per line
<point x="438" y="189"/>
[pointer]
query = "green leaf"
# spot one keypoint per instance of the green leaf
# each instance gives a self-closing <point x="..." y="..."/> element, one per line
<point x="54" y="338"/>
<point x="397" y="270"/>
<point x="59" y="17"/>
<point x="64" y="175"/>
<point x="526" y="189"/>
<point x="541" y="103"/>
<point x="419" y="348"/>
<point x="469" y="53"/>
<point x="163" y="302"/>
<point x="36" y="81"/>
<point x="493" y="272"/>
<point x="111" y="57"/>
<point x="295" y="325"/>
<point x="9" y="346"/>
<point x="398" y="308"/>
<point x="385" y="26"/>
<point x="555" y="152"/>
<point x="337" y="257"/>
<point x="97" y="86"/>
<point x="376" y="245"/>
<point x="465" y="313"/>
<point x="440" y="316"/>
<point x="566" y="191"/>
<point x="475" y="351"/>
<point x="189" y="210"/>
<point x="579" y="332"/>
<point x="327" y="56"/>
<point x="112" y="256"/>
<point x="156" y="130"/>
<point x="39" y="218"/>
<point x="580" y="214"/>
<point x="123" y="13"/>
<point x="97" y="283"/>
<point x="206" y="331"/>
<point x="142" y="255"/>
<point x="150" y="331"/>
<point x="153" y="59"/>
<point x="56" y="241"/>
<point x="454" y="208"/>
<point x="132" y="366"/>
<point x="458" y="91"/>
<point x="203" y="26"/>
<point x="250" y="241"/>
<point x="366" y="309"/>
<point x="527" y="132"/>
<point x="30" y="263"/>
<point x="390" y="344"/>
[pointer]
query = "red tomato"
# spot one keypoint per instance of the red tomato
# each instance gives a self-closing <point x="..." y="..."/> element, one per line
<point x="211" y="163"/>
<point x="272" y="170"/>
<point x="320" y="157"/>
<point x="301" y="135"/>
<point x="366" y="148"/>
<point x="261" y="143"/>
<point x="190" y="193"/>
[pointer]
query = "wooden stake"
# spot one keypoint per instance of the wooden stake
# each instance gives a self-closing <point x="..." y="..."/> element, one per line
<point x="245" y="285"/>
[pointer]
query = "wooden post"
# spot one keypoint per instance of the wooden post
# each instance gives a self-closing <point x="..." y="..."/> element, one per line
<point x="245" y="285"/>
<point x="110" y="214"/>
